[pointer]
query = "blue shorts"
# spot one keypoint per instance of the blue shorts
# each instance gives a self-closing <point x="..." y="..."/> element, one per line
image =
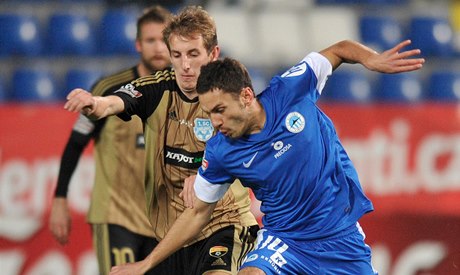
<point x="345" y="253"/>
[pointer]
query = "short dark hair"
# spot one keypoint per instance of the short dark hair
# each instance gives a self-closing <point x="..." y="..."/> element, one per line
<point x="156" y="14"/>
<point x="228" y="75"/>
<point x="191" y="22"/>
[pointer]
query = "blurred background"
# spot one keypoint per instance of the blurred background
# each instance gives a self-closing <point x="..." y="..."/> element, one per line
<point x="402" y="131"/>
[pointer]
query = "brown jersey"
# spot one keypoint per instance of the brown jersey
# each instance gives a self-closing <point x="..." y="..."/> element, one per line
<point x="118" y="195"/>
<point x="176" y="130"/>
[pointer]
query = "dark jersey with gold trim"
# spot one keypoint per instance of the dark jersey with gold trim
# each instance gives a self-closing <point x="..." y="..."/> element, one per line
<point x="176" y="130"/>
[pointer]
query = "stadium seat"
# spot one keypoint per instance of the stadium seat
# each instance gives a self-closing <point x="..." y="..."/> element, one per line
<point x="234" y="27"/>
<point x="347" y="86"/>
<point x="35" y="85"/>
<point x="326" y="25"/>
<point x="399" y="88"/>
<point x="81" y="78"/>
<point x="380" y="32"/>
<point x="118" y="31"/>
<point x="19" y="35"/>
<point x="444" y="86"/>
<point x="280" y="35"/>
<point x="432" y="35"/>
<point x="70" y="34"/>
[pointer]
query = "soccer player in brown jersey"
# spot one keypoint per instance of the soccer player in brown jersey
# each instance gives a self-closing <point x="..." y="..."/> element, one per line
<point x="176" y="130"/>
<point x="121" y="229"/>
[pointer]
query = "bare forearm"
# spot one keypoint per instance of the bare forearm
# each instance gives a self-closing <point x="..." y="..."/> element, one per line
<point x="94" y="107"/>
<point x="394" y="60"/>
<point x="105" y="106"/>
<point x="186" y="227"/>
<point x="348" y="51"/>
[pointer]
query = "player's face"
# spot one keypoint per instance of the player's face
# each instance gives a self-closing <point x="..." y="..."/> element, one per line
<point x="153" y="50"/>
<point x="228" y="113"/>
<point x="187" y="57"/>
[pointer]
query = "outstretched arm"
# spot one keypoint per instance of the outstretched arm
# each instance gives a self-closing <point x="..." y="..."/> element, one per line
<point x="394" y="60"/>
<point x="188" y="225"/>
<point x="94" y="107"/>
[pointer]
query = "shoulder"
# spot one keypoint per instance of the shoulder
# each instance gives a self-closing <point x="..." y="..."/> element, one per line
<point x="166" y="77"/>
<point x="114" y="81"/>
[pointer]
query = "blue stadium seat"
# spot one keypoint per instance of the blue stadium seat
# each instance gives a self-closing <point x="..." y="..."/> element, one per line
<point x="380" y="32"/>
<point x="347" y="86"/>
<point x="432" y="35"/>
<point x="81" y="78"/>
<point x="70" y="34"/>
<point x="35" y="85"/>
<point x="118" y="31"/>
<point x="19" y="35"/>
<point x="444" y="86"/>
<point x="399" y="88"/>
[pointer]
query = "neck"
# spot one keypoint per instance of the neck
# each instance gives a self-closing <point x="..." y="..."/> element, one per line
<point x="260" y="118"/>
<point x="190" y="94"/>
<point x="142" y="70"/>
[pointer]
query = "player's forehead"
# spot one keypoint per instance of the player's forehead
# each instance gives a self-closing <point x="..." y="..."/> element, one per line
<point x="180" y="43"/>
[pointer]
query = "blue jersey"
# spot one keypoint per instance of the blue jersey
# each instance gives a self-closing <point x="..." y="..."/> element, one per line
<point x="296" y="166"/>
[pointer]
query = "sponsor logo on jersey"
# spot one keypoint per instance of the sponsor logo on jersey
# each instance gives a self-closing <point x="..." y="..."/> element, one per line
<point x="218" y="251"/>
<point x="295" y="122"/>
<point x="204" y="164"/>
<point x="248" y="164"/>
<point x="297" y="70"/>
<point x="173" y="116"/>
<point x="130" y="90"/>
<point x="280" y="148"/>
<point x="251" y="258"/>
<point x="183" y="158"/>
<point x="203" y="129"/>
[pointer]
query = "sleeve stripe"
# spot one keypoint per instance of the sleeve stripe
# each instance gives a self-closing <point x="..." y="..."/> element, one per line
<point x="209" y="192"/>
<point x="321" y="66"/>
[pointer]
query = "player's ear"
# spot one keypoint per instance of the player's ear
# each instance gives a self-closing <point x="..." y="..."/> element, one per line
<point x="215" y="53"/>
<point x="138" y="46"/>
<point x="247" y="96"/>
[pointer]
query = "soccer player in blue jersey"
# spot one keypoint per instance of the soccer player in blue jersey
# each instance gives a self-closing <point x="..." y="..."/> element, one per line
<point x="282" y="146"/>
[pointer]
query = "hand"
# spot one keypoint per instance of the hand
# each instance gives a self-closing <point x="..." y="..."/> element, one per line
<point x="137" y="268"/>
<point x="79" y="100"/>
<point x="188" y="193"/>
<point x="60" y="222"/>
<point x="395" y="61"/>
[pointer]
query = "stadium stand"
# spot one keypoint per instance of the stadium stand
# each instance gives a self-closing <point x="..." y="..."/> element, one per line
<point x="399" y="88"/>
<point x="19" y="35"/>
<point x="70" y="34"/>
<point x="444" y="86"/>
<point x="118" y="31"/>
<point x="81" y="78"/>
<point x="380" y="32"/>
<point x="348" y="86"/>
<point x="432" y="34"/>
<point x="267" y="35"/>
<point x="35" y="85"/>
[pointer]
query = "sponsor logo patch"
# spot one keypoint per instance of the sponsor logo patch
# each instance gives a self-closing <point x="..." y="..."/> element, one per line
<point x="130" y="90"/>
<point x="251" y="258"/>
<point x="218" y="251"/>
<point x="183" y="158"/>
